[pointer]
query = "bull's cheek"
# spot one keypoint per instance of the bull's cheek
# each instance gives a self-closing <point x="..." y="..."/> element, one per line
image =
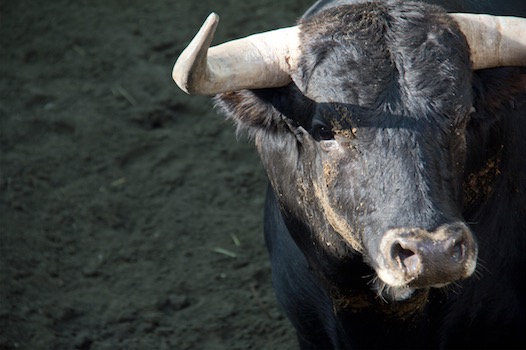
<point x="321" y="186"/>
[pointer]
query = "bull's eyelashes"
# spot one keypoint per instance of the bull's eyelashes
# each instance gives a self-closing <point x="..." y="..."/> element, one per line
<point x="322" y="132"/>
<point x="333" y="121"/>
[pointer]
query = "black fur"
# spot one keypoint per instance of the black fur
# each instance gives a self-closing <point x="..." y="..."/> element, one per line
<point x="385" y="126"/>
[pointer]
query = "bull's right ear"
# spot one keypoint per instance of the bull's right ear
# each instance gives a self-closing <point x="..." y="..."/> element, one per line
<point x="266" y="110"/>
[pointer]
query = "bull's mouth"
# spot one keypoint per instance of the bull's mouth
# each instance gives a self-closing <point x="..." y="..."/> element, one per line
<point x="404" y="290"/>
<point x="400" y="293"/>
<point x="389" y="293"/>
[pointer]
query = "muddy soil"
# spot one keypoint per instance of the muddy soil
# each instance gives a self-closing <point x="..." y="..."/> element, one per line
<point x="130" y="213"/>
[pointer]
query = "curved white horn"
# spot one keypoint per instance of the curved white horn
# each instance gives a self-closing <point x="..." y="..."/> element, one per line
<point x="259" y="61"/>
<point x="494" y="41"/>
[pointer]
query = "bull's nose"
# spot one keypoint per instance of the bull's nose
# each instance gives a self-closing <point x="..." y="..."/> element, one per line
<point x="421" y="258"/>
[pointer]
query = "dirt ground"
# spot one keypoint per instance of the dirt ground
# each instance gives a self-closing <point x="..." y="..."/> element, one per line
<point x="130" y="214"/>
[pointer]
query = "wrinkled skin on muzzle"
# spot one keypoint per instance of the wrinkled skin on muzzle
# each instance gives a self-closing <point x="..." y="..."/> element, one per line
<point x="419" y="258"/>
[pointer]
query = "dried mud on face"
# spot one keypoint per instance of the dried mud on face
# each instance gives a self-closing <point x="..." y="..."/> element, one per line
<point x="119" y="194"/>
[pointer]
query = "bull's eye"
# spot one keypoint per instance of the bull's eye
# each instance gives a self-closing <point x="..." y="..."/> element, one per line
<point x="322" y="133"/>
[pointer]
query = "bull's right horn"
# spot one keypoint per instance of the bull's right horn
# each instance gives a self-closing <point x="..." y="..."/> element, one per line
<point x="259" y="61"/>
<point x="494" y="41"/>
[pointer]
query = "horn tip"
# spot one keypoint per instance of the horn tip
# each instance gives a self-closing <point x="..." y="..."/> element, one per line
<point x="188" y="67"/>
<point x="213" y="17"/>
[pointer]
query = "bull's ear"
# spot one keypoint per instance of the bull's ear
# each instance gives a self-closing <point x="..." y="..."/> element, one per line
<point x="266" y="110"/>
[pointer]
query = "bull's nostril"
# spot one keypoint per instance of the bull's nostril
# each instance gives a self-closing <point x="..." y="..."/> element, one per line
<point x="402" y="253"/>
<point x="407" y="259"/>
<point x="458" y="250"/>
<point x="456" y="244"/>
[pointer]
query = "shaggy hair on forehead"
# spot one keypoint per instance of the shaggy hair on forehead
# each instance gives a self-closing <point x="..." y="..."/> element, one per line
<point x="382" y="55"/>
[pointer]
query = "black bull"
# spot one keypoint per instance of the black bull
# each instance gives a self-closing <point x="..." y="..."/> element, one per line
<point x="396" y="215"/>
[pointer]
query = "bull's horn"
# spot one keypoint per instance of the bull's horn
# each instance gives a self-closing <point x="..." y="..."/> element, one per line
<point x="494" y="41"/>
<point x="259" y="61"/>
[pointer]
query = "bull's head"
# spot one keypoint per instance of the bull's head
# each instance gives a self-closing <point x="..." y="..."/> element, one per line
<point x="362" y="133"/>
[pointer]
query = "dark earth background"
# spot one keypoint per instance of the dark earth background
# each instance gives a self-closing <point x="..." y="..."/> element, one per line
<point x="130" y="213"/>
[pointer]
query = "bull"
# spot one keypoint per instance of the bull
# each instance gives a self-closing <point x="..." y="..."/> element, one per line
<point x="392" y="136"/>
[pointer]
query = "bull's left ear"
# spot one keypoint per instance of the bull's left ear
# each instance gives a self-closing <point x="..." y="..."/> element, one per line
<point x="268" y="110"/>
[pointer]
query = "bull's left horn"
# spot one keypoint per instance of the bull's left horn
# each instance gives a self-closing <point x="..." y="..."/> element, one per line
<point x="258" y="61"/>
<point x="494" y="41"/>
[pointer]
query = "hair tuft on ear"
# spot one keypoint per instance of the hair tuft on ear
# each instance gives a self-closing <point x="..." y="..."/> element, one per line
<point x="265" y="110"/>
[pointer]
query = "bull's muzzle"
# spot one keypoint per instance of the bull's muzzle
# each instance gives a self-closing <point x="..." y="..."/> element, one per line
<point x="418" y="258"/>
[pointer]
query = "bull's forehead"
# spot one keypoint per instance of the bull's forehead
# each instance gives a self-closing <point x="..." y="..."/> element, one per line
<point x="375" y="56"/>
